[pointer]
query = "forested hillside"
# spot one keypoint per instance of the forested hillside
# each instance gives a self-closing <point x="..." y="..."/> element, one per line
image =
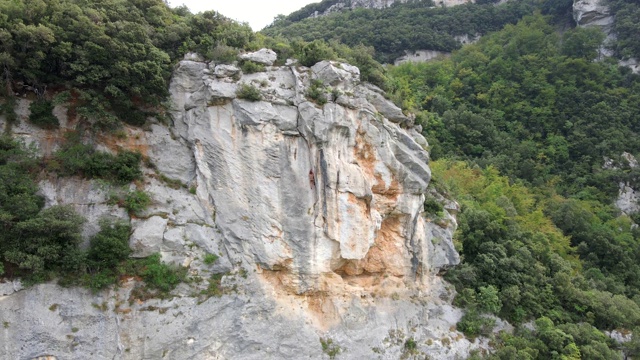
<point x="520" y="125"/>
<point x="410" y="26"/>
<point x="626" y="27"/>
<point x="109" y="56"/>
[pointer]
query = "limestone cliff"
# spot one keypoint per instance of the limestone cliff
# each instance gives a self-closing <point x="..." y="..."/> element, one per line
<point x="316" y="212"/>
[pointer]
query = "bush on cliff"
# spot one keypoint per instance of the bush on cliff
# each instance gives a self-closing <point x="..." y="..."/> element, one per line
<point x="34" y="243"/>
<point x="76" y="158"/>
<point x="42" y="115"/>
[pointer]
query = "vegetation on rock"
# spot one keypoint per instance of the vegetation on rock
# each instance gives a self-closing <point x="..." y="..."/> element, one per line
<point x="77" y="158"/>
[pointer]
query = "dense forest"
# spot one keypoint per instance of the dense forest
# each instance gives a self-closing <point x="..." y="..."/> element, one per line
<point x="520" y="125"/>
<point x="411" y="26"/>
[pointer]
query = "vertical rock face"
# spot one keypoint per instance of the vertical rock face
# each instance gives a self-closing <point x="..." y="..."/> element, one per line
<point x="315" y="211"/>
<point x="592" y="13"/>
<point x="628" y="200"/>
<point x="309" y="193"/>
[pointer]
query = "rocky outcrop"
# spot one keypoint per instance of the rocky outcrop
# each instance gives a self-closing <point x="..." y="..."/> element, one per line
<point x="597" y="13"/>
<point x="628" y="200"/>
<point x="315" y="212"/>
<point x="587" y="13"/>
<point x="593" y="13"/>
<point x="262" y="56"/>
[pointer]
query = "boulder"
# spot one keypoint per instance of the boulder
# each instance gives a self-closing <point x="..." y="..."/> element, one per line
<point x="223" y="70"/>
<point x="262" y="56"/>
<point x="334" y="73"/>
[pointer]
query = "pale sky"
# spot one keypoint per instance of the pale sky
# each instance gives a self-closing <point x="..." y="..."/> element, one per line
<point x="258" y="13"/>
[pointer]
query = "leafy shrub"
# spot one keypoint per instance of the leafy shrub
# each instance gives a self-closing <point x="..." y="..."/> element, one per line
<point x="488" y="300"/>
<point x="433" y="206"/>
<point x="76" y="158"/>
<point x="317" y="92"/>
<point x="160" y="276"/>
<point x="473" y="324"/>
<point x="99" y="280"/>
<point x="8" y="108"/>
<point x="130" y="114"/>
<point x="250" y="67"/>
<point x="316" y="51"/>
<point x="44" y="244"/>
<point x="126" y="167"/>
<point x="110" y="246"/>
<point x="248" y="92"/>
<point x="136" y="201"/>
<point x="223" y="54"/>
<point x="42" y="115"/>
<point x="411" y="344"/>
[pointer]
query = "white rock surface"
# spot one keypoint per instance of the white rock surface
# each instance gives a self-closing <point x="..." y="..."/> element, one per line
<point x="628" y="200"/>
<point x="334" y="73"/>
<point x="632" y="64"/>
<point x="315" y="213"/>
<point x="592" y="13"/>
<point x="262" y="56"/>
<point x="223" y="70"/>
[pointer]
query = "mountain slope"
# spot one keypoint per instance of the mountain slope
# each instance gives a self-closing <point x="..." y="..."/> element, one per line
<point x="404" y="27"/>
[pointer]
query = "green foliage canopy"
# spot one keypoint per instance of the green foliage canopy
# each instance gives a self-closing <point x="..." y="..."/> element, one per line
<point x="411" y="26"/>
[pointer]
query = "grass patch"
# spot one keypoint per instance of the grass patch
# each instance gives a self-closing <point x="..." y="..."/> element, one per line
<point x="174" y="184"/>
<point x="215" y="286"/>
<point x="330" y="348"/>
<point x="210" y="259"/>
